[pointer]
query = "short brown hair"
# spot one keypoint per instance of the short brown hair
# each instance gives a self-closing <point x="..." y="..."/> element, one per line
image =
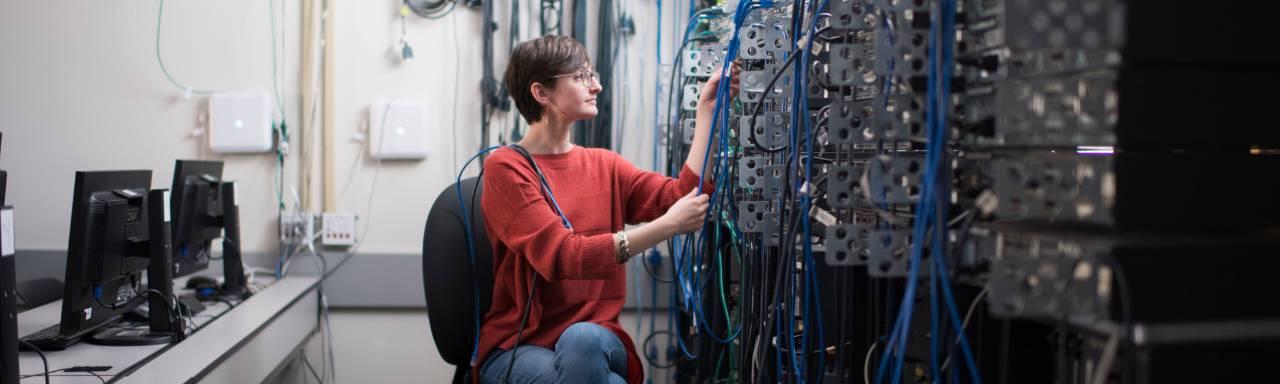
<point x="537" y="61"/>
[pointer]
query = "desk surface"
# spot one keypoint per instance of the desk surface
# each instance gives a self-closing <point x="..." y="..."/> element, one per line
<point x="220" y="332"/>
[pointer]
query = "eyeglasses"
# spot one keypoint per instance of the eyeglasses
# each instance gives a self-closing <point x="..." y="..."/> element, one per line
<point x="586" y="77"/>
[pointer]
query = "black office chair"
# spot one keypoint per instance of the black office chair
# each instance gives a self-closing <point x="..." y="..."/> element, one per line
<point x="37" y="292"/>
<point x="447" y="275"/>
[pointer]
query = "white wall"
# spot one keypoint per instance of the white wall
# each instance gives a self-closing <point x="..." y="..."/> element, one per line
<point x="80" y="89"/>
<point x="366" y="70"/>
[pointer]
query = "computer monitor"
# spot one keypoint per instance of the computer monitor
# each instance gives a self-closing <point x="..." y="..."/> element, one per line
<point x="204" y="208"/>
<point x="196" y="209"/>
<point x="107" y="251"/>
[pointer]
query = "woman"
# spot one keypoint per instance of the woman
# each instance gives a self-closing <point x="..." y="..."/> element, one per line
<point x="560" y="284"/>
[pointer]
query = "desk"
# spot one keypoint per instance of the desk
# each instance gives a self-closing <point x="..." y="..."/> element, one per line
<point x="243" y="344"/>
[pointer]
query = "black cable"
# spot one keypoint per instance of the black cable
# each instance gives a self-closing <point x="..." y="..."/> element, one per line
<point x="190" y="322"/>
<point x="780" y="279"/>
<point x="1004" y="351"/>
<point x="650" y="359"/>
<point x="24" y="299"/>
<point x="431" y="9"/>
<point x="104" y="381"/>
<point x="554" y="6"/>
<point x="817" y="351"/>
<point x="514" y="28"/>
<point x="746" y="312"/>
<point x="62" y="375"/>
<point x="1126" y="312"/>
<point x="676" y="97"/>
<point x="51" y="373"/>
<point x="1062" y="360"/>
<point x="765" y="309"/>
<point x="224" y="301"/>
<point x="830" y="39"/>
<point x="768" y="90"/>
<point x="474" y="190"/>
<point x="542" y="178"/>
<point x="654" y="275"/>
<point x="138" y="293"/>
<point x="788" y="242"/>
<point x="599" y="133"/>
<point x="524" y="318"/>
<point x="166" y="300"/>
<point x="488" y="83"/>
<point x="479" y="178"/>
<point x="98" y="300"/>
<point x="42" y="359"/>
<point x="674" y="119"/>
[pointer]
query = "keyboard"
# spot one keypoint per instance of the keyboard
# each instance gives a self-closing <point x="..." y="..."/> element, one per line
<point x="48" y="339"/>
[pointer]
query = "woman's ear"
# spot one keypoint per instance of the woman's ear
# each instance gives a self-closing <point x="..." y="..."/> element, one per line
<point x="540" y="93"/>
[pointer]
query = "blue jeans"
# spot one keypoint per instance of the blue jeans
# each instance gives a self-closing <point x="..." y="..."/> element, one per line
<point x="585" y="353"/>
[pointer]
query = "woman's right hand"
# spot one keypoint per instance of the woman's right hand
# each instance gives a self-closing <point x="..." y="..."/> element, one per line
<point x="688" y="213"/>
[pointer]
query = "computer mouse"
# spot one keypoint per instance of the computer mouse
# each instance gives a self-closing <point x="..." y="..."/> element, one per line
<point x="205" y="287"/>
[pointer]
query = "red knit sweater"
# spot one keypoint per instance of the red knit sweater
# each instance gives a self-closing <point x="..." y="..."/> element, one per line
<point x="578" y="276"/>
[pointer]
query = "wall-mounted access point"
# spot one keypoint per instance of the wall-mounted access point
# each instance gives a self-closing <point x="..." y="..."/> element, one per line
<point x="398" y="129"/>
<point x="240" y="122"/>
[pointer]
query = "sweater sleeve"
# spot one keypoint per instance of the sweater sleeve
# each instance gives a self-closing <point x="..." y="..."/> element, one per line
<point x="649" y="194"/>
<point x="514" y="207"/>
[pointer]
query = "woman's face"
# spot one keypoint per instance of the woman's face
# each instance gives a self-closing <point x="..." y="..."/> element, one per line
<point x="574" y="95"/>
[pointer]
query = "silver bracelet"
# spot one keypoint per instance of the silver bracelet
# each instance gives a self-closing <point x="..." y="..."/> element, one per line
<point x="624" y="246"/>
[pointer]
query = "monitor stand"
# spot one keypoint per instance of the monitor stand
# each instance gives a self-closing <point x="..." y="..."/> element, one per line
<point x="164" y="325"/>
<point x="234" y="284"/>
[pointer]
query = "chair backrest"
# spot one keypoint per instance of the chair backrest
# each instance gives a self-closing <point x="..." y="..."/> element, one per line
<point x="37" y="292"/>
<point x="447" y="272"/>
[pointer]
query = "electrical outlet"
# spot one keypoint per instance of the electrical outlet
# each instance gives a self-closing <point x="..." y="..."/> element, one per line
<point x="296" y="227"/>
<point x="339" y="229"/>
